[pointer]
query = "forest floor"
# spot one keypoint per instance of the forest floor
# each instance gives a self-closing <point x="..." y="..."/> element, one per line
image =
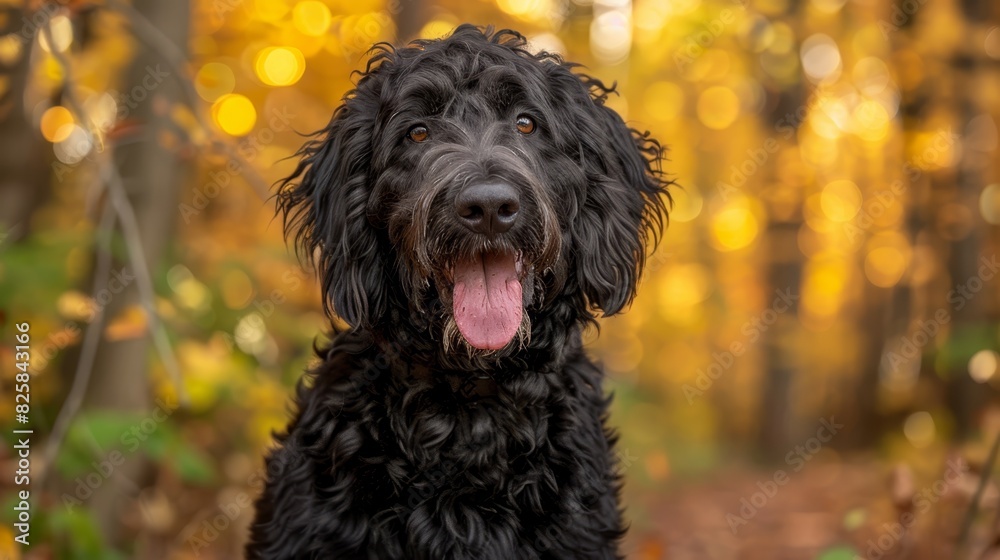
<point x="833" y="511"/>
<point x="841" y="509"/>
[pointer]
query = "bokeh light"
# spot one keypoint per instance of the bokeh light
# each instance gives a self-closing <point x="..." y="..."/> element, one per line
<point x="871" y="121"/>
<point x="102" y="110"/>
<point x="718" y="107"/>
<point x="919" y="429"/>
<point x="688" y="203"/>
<point x="650" y="17"/>
<point x="191" y="293"/>
<point x="841" y="200"/>
<point x="734" y="228"/>
<point x="871" y="75"/>
<point x="214" y="80"/>
<point x="280" y="66"/>
<point x="436" y="29"/>
<point x="10" y="49"/>
<point x="983" y="365"/>
<point x="686" y="285"/>
<point x="884" y="266"/>
<point x="887" y="259"/>
<point x="989" y="204"/>
<point x="531" y="10"/>
<point x="57" y="124"/>
<point x="75" y="146"/>
<point x="61" y="29"/>
<point x="548" y="42"/>
<point x="820" y="58"/>
<point x="311" y="17"/>
<point x="611" y="32"/>
<point x="992" y="43"/>
<point x="825" y="279"/>
<point x="828" y="6"/>
<point x="250" y="333"/>
<point x="234" y="114"/>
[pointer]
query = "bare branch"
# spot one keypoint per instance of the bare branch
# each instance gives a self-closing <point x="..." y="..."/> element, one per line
<point x="130" y="228"/>
<point x="110" y="177"/>
<point x="88" y="353"/>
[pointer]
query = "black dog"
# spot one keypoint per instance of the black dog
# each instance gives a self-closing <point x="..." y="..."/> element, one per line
<point x="471" y="207"/>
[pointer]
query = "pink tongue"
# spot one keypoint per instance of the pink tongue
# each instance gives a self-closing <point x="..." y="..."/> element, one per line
<point x="487" y="300"/>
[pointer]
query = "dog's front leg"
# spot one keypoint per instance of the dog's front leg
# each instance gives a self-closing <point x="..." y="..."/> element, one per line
<point x="294" y="517"/>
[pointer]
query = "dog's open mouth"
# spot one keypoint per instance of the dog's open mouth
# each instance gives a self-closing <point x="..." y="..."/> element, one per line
<point x="487" y="300"/>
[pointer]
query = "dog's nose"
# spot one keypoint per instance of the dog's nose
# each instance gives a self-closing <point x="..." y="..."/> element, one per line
<point x="488" y="208"/>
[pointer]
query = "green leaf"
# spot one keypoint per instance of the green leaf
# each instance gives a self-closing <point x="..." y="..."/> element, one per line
<point x="965" y="341"/>
<point x="192" y="466"/>
<point x="91" y="437"/>
<point x="105" y="429"/>
<point x="838" y="553"/>
<point x="159" y="440"/>
<point x="79" y="529"/>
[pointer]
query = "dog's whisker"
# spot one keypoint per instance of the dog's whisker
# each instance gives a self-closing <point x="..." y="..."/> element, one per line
<point x="450" y="334"/>
<point x="524" y="332"/>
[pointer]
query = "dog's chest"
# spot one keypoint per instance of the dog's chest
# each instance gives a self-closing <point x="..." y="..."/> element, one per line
<point x="469" y="470"/>
<point x="466" y="450"/>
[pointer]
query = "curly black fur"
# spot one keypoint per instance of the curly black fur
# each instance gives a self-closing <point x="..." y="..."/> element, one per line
<point x="408" y="443"/>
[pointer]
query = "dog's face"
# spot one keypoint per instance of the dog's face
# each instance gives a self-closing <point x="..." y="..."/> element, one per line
<point x="467" y="183"/>
<point x="473" y="183"/>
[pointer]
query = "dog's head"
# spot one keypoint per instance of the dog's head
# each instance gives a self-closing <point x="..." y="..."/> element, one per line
<point x="472" y="184"/>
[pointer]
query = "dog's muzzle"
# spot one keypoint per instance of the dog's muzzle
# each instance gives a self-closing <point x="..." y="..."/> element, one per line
<point x="487" y="297"/>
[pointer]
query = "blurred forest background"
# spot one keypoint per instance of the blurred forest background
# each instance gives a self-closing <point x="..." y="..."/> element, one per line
<point x="809" y="371"/>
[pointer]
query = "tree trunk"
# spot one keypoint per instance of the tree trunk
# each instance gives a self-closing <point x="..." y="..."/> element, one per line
<point x="153" y="176"/>
<point x="25" y="157"/>
<point x="775" y="433"/>
<point x="410" y="16"/>
<point x="965" y="397"/>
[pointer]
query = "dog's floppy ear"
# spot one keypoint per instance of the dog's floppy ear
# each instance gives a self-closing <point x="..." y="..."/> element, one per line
<point x="324" y="203"/>
<point x="625" y="200"/>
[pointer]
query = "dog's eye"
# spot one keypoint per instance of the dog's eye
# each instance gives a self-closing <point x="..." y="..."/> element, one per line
<point x="418" y="133"/>
<point x="525" y="125"/>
